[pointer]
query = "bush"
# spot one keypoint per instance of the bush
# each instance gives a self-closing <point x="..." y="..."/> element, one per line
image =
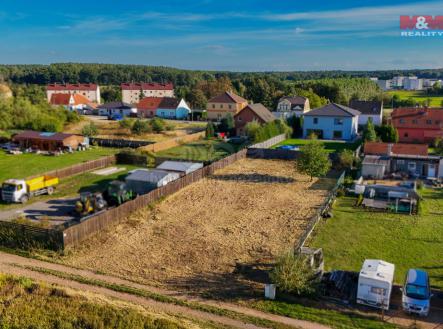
<point x="258" y="133"/>
<point x="126" y="123"/>
<point x="293" y="274"/>
<point x="90" y="130"/>
<point x="346" y="159"/>
<point x="158" y="125"/>
<point x="140" y="127"/>
<point x="209" y="133"/>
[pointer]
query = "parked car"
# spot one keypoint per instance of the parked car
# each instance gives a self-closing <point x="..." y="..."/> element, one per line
<point x="416" y="293"/>
<point x="288" y="147"/>
<point x="116" y="117"/>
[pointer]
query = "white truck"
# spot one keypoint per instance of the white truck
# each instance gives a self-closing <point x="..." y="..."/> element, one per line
<point x="20" y="190"/>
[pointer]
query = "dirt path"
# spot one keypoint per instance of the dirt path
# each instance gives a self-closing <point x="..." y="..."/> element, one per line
<point x="7" y="262"/>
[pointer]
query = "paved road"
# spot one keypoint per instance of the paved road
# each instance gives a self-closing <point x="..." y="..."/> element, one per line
<point x="58" y="211"/>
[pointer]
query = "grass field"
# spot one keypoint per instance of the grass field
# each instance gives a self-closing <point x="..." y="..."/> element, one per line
<point x="199" y="150"/>
<point x="353" y="235"/>
<point x="418" y="96"/>
<point x="26" y="304"/>
<point x="330" y="146"/>
<point x="25" y="165"/>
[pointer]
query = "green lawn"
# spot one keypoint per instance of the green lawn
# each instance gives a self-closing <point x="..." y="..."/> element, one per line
<point x="353" y="235"/>
<point x="419" y="96"/>
<point x="331" y="146"/>
<point x="72" y="186"/>
<point x="329" y="317"/>
<point x="25" y="165"/>
<point x="199" y="150"/>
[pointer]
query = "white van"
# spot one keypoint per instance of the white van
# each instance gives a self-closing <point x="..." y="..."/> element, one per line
<point x="375" y="283"/>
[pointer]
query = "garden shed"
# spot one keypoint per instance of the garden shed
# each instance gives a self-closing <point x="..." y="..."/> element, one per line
<point x="142" y="181"/>
<point x="180" y="167"/>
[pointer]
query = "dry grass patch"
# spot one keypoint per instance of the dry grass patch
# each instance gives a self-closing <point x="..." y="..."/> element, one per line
<point x="209" y="233"/>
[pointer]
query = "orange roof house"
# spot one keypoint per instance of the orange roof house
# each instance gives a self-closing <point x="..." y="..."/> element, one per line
<point x="219" y="106"/>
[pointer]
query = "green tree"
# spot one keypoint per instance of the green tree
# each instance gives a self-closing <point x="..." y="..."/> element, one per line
<point x="227" y="124"/>
<point x="369" y="134"/>
<point x="293" y="274"/>
<point x="346" y="159"/>
<point x="313" y="159"/>
<point x="210" y="130"/>
<point x="126" y="123"/>
<point x="388" y="134"/>
<point x="90" y="130"/>
<point x="252" y="130"/>
<point x="197" y="99"/>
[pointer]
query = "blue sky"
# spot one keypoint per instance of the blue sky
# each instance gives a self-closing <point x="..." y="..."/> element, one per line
<point x="241" y="35"/>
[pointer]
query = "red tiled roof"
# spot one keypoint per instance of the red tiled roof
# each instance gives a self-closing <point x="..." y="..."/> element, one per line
<point x="149" y="103"/>
<point x="376" y="148"/>
<point x="421" y="118"/>
<point x="68" y="86"/>
<point x="227" y="97"/>
<point x="147" y="86"/>
<point x="63" y="99"/>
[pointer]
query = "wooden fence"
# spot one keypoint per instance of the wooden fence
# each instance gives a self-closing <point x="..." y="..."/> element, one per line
<point x="270" y="142"/>
<point x="323" y="209"/>
<point x="77" y="233"/>
<point x="15" y="235"/>
<point x="80" y="168"/>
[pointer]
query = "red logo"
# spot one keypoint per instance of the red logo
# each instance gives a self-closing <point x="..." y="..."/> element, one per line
<point x="421" y="22"/>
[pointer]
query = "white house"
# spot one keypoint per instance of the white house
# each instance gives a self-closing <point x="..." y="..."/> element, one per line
<point x="368" y="109"/>
<point x="133" y="92"/>
<point x="173" y="108"/>
<point x="89" y="90"/>
<point x="413" y="83"/>
<point x="290" y="106"/>
<point x="121" y="108"/>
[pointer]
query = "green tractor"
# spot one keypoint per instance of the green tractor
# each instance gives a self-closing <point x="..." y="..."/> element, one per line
<point x="118" y="193"/>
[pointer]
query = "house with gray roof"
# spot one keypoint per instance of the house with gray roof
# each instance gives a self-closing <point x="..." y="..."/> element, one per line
<point x="289" y="106"/>
<point x="331" y="121"/>
<point x="368" y="109"/>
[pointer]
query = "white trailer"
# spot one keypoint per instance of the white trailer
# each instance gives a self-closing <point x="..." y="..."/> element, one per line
<point x="375" y="283"/>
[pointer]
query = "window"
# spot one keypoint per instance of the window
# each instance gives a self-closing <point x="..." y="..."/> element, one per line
<point x="315" y="121"/>
<point x="378" y="291"/>
<point x="411" y="166"/>
<point x="401" y="162"/>
<point x="415" y="121"/>
<point x="337" y="134"/>
<point x="213" y="106"/>
<point x="338" y="121"/>
<point x="221" y="106"/>
<point x="239" y="118"/>
<point x="402" y="120"/>
<point x="437" y="122"/>
<point x="429" y="122"/>
<point x="406" y="135"/>
<point x="230" y="106"/>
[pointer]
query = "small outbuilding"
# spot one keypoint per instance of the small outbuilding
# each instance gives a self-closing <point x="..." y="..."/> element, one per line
<point x="375" y="283"/>
<point x="375" y="166"/>
<point x="180" y="167"/>
<point x="119" y="108"/>
<point x="48" y="141"/>
<point x="142" y="181"/>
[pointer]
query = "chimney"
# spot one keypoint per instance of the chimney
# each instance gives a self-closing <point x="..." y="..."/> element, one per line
<point x="390" y="149"/>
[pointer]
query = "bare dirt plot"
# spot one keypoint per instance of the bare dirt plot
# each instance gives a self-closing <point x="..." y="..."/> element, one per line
<point x="221" y="231"/>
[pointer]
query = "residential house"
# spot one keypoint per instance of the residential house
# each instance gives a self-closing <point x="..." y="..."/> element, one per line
<point x="219" y="106"/>
<point x="48" y="141"/>
<point x="173" y="108"/>
<point x="252" y="112"/>
<point x="89" y="90"/>
<point x="292" y="106"/>
<point x="418" y="125"/>
<point x="331" y="121"/>
<point x="368" y="109"/>
<point x="382" y="159"/>
<point x="133" y="92"/>
<point x="120" y="108"/>
<point x="72" y="102"/>
<point x="147" y="106"/>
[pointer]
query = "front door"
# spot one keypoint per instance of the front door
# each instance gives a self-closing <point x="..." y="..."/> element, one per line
<point x="431" y="170"/>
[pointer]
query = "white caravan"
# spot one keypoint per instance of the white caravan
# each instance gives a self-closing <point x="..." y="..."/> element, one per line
<point x="375" y="283"/>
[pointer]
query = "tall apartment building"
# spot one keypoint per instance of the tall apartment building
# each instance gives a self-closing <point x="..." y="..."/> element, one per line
<point x="89" y="90"/>
<point x="133" y="92"/>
